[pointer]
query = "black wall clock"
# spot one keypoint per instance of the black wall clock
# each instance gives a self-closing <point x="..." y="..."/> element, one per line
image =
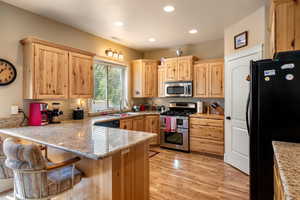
<point x="8" y="72"/>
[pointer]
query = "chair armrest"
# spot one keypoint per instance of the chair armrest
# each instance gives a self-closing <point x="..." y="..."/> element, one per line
<point x="63" y="164"/>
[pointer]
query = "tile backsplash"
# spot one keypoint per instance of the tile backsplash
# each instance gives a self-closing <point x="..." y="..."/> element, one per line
<point x="166" y="101"/>
<point x="67" y="106"/>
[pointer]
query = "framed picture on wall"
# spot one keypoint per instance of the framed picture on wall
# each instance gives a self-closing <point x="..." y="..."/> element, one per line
<point x="241" y="40"/>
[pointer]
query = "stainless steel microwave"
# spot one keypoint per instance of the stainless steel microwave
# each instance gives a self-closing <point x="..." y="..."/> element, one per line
<point x="179" y="89"/>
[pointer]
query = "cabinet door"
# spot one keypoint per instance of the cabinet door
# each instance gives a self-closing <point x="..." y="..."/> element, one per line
<point x="171" y="69"/>
<point x="161" y="81"/>
<point x="150" y="78"/>
<point x="136" y="75"/>
<point x="51" y="72"/>
<point x="216" y="80"/>
<point x="201" y="80"/>
<point x="80" y="76"/>
<point x="285" y="26"/>
<point x="184" y="69"/>
<point x="138" y="124"/>
<point x="152" y="126"/>
<point x="126" y="124"/>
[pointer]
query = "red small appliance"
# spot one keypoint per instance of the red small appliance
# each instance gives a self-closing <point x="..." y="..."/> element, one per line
<point x="38" y="114"/>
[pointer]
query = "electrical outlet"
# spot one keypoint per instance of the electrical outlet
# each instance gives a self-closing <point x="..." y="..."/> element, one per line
<point x="14" y="109"/>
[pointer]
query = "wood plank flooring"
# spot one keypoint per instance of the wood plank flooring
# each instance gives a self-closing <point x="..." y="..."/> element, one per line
<point x="181" y="176"/>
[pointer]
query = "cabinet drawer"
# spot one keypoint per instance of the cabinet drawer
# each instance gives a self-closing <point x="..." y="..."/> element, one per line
<point x="207" y="132"/>
<point x="207" y="146"/>
<point x="206" y="122"/>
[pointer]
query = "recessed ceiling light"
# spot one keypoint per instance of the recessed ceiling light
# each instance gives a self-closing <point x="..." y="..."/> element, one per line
<point x="193" y="31"/>
<point x="151" y="39"/>
<point x="118" y="23"/>
<point x="169" y="8"/>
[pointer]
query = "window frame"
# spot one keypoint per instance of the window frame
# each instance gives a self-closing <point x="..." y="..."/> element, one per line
<point x="125" y="84"/>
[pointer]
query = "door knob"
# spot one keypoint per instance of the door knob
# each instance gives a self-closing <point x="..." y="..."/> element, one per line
<point x="228" y="118"/>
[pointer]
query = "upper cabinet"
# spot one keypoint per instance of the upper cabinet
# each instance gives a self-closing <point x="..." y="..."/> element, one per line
<point x="209" y="79"/>
<point x="284" y="25"/>
<point x="180" y="68"/>
<point x="144" y="78"/>
<point x="171" y="69"/>
<point x="185" y="68"/>
<point x="53" y="71"/>
<point x="50" y="67"/>
<point x="161" y="80"/>
<point x="80" y="76"/>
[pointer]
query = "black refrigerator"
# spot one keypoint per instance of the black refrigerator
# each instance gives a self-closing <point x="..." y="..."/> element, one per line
<point x="273" y="113"/>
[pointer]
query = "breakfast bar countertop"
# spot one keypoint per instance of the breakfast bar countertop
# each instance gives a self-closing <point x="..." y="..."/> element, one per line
<point x="82" y="137"/>
<point x="287" y="157"/>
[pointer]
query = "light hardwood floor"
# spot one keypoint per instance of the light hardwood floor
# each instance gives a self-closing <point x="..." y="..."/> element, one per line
<point x="181" y="176"/>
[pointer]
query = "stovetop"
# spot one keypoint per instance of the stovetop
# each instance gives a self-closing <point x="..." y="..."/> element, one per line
<point x="177" y="113"/>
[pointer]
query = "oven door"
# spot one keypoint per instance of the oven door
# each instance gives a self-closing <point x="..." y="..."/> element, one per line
<point x="178" y="140"/>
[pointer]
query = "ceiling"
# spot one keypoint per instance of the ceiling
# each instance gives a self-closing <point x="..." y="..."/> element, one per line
<point x="144" y="19"/>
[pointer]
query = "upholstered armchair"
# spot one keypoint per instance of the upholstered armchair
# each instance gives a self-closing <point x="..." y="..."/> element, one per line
<point x="34" y="178"/>
<point x="6" y="174"/>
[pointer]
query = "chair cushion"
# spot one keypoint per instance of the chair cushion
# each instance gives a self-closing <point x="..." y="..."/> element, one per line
<point x="5" y="172"/>
<point x="21" y="156"/>
<point x="60" y="180"/>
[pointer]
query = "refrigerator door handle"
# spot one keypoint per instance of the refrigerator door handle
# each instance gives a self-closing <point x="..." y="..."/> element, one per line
<point x="247" y="114"/>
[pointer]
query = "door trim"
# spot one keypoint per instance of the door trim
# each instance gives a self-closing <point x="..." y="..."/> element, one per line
<point x="228" y="156"/>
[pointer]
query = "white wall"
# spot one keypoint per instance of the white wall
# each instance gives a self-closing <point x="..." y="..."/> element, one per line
<point x="255" y="24"/>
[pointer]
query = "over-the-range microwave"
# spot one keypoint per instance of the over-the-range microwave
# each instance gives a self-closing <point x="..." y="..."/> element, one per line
<point x="179" y="89"/>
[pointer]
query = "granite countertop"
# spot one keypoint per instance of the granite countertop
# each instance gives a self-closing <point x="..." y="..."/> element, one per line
<point x="82" y="137"/>
<point x="287" y="156"/>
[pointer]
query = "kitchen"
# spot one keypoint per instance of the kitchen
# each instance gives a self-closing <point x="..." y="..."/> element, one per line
<point x="138" y="113"/>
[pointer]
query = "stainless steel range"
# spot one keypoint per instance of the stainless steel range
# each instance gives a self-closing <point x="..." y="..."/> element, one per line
<point x="174" y="125"/>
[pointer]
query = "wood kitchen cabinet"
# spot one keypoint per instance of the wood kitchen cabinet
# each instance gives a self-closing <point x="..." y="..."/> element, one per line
<point x="161" y="81"/>
<point x="148" y="123"/>
<point x="180" y="68"/>
<point x="152" y="126"/>
<point x="185" y="68"/>
<point x="171" y="69"/>
<point x="207" y="133"/>
<point x="53" y="71"/>
<point x="144" y="78"/>
<point x="278" y="187"/>
<point x="80" y="76"/>
<point x="126" y="124"/>
<point x="209" y="79"/>
<point x="284" y="26"/>
<point x="138" y="123"/>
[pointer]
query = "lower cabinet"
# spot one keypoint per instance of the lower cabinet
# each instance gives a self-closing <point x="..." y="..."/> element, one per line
<point x="206" y="134"/>
<point x="126" y="124"/>
<point x="278" y="188"/>
<point x="149" y="123"/>
<point x="138" y="123"/>
<point x="152" y="126"/>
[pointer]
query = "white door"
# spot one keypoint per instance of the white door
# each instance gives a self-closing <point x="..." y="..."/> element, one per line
<point x="237" y="68"/>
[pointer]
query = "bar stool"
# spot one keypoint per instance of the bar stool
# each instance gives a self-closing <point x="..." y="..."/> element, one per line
<point x="34" y="178"/>
<point x="6" y="174"/>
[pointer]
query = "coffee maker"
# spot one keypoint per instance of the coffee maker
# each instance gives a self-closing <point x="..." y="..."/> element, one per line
<point x="38" y="114"/>
<point x="53" y="115"/>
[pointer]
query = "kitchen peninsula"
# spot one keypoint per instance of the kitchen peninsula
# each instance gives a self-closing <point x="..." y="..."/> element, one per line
<point x="115" y="161"/>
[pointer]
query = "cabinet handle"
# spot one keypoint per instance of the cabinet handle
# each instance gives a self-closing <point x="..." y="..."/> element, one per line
<point x="293" y="43"/>
<point x="228" y="118"/>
